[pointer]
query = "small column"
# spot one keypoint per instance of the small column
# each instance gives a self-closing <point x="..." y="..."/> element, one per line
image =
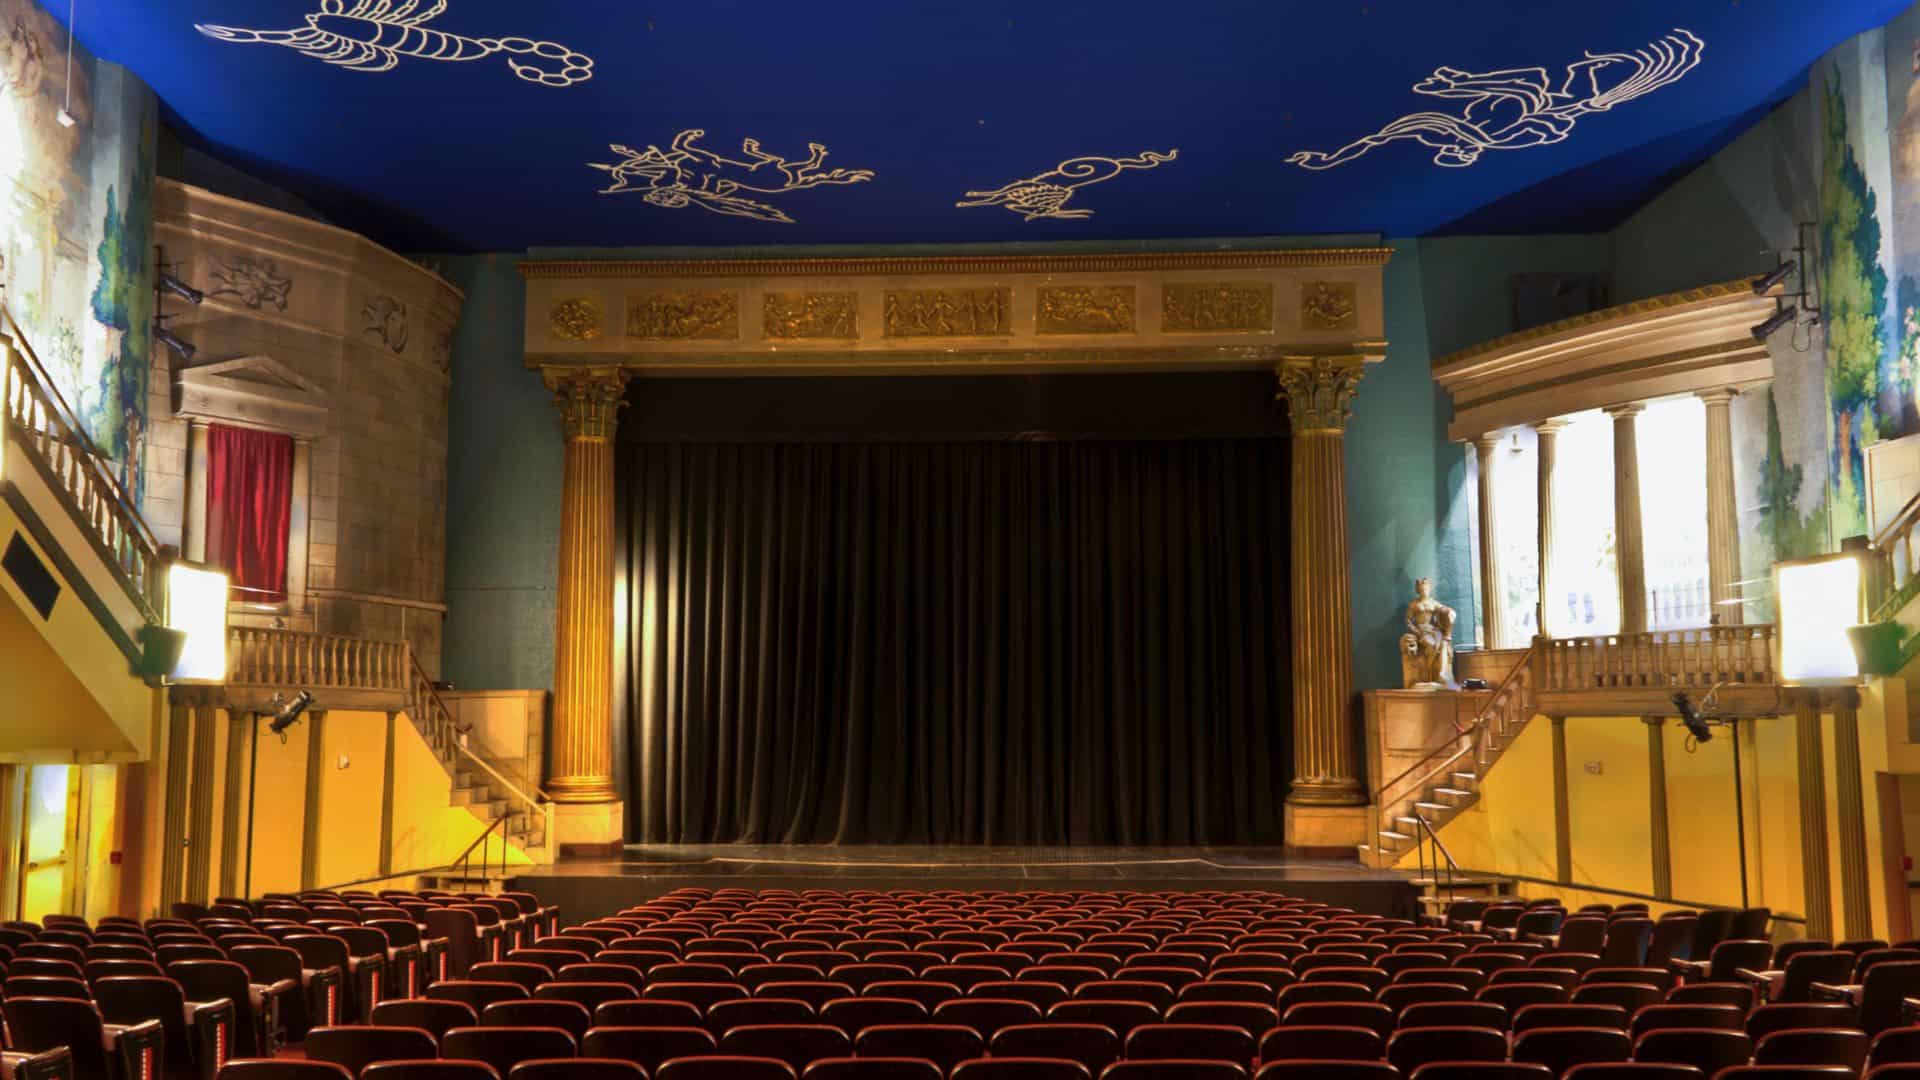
<point x="1562" y="805"/>
<point x="581" y="770"/>
<point x="1319" y="392"/>
<point x="1816" y="871"/>
<point x="1723" y="516"/>
<point x="1850" y="801"/>
<point x="1626" y="520"/>
<point x="1493" y="602"/>
<point x="1657" y="805"/>
<point x="1547" y="433"/>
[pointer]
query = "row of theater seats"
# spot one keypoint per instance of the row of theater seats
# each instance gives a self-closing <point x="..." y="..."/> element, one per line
<point x="1057" y="984"/>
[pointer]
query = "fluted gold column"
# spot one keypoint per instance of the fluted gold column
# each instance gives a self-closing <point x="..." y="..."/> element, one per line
<point x="1723" y="516"/>
<point x="1493" y="601"/>
<point x="1319" y="392"/>
<point x="581" y="768"/>
<point x="1547" y="434"/>
<point x="1856" y="904"/>
<point x="1816" y="872"/>
<point x="1628" y="553"/>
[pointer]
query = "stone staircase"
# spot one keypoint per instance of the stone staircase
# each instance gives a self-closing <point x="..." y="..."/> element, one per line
<point x="1442" y="785"/>
<point x="481" y="786"/>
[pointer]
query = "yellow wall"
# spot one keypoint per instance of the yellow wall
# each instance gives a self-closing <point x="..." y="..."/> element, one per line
<point x="280" y="808"/>
<point x="1510" y="829"/>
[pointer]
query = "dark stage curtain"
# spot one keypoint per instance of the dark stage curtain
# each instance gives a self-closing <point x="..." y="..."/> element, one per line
<point x="975" y="642"/>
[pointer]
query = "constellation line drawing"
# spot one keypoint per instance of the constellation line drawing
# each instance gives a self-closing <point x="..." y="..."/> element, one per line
<point x="373" y="35"/>
<point x="1045" y="195"/>
<point x="688" y="175"/>
<point x="1520" y="108"/>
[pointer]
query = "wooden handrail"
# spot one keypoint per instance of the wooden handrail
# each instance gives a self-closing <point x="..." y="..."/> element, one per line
<point x="1471" y="732"/>
<point x="31" y="408"/>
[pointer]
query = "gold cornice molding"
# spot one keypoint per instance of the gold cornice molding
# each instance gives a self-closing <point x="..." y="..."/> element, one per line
<point x="1651" y="305"/>
<point x="557" y="366"/>
<point x="1284" y="258"/>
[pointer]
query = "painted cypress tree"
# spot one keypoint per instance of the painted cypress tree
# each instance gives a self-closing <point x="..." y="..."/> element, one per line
<point x="1854" y="306"/>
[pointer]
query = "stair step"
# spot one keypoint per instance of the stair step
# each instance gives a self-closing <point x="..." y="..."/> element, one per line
<point x="1408" y="819"/>
<point x="1434" y="806"/>
<point x="1453" y="792"/>
<point x="1389" y="834"/>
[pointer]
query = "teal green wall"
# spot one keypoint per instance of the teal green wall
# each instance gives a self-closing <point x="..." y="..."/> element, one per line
<point x="503" y="490"/>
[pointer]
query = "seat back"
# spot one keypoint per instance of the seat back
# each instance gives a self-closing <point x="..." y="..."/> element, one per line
<point x="799" y="1045"/>
<point x="46" y="1023"/>
<point x="569" y="1016"/>
<point x="1092" y="1046"/>
<point x="505" y="1047"/>
<point x="359" y="1046"/>
<point x="430" y="1070"/>
<point x="946" y="1045"/>
<point x="1409" y="1049"/>
<point x="577" y="1069"/>
<point x="436" y="1018"/>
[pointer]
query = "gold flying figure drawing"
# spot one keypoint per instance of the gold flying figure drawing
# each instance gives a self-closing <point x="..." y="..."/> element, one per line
<point x="1045" y="195"/>
<point x="688" y="175"/>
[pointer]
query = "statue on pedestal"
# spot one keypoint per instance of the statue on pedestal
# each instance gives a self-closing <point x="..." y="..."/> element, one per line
<point x="1426" y="649"/>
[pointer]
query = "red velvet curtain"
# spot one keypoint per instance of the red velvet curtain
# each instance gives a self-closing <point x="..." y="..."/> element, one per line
<point x="249" y="505"/>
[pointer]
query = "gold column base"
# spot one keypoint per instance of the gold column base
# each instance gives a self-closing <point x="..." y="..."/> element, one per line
<point x="582" y="789"/>
<point x="1333" y="791"/>
<point x="589" y="830"/>
<point x="1326" y="831"/>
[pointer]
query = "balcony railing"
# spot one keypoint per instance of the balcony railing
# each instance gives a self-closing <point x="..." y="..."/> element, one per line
<point x="74" y="468"/>
<point x="1662" y="659"/>
<point x="291" y="658"/>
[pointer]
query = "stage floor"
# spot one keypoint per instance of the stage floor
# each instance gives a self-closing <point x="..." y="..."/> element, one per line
<point x="593" y="887"/>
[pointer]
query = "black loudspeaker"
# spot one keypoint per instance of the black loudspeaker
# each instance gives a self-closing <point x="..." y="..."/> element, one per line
<point x="32" y="575"/>
<point x="160" y="649"/>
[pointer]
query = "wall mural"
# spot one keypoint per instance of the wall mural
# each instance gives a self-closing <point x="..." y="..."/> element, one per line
<point x="75" y="229"/>
<point x="1045" y="195"/>
<point x="688" y="175"/>
<point x="1520" y="108"/>
<point x="373" y="35"/>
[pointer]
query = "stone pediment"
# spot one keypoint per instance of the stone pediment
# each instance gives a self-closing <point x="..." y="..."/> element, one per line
<point x="252" y="391"/>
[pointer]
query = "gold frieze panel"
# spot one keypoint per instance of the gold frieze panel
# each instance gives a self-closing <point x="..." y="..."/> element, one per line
<point x="1211" y="307"/>
<point x="913" y="313"/>
<point x="1328" y="305"/>
<point x="787" y="316"/>
<point x="683" y="315"/>
<point x="1084" y="309"/>
<point x="578" y="318"/>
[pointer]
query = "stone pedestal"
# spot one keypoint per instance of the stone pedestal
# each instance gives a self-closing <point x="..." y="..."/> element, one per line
<point x="588" y="829"/>
<point x="1326" y="832"/>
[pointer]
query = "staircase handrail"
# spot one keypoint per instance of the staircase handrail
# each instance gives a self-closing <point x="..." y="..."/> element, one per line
<point x="1885" y="595"/>
<point x="1471" y="731"/>
<point x="436" y="715"/>
<point x="133" y="564"/>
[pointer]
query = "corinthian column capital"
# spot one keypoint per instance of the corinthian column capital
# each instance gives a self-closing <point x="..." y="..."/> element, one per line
<point x="1319" y="390"/>
<point x="589" y="399"/>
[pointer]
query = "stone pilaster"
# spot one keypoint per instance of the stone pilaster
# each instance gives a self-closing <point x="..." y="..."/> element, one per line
<point x="1856" y="905"/>
<point x="1562" y="805"/>
<point x="1657" y="806"/>
<point x="1546" y="453"/>
<point x="581" y="767"/>
<point x="1723" y="518"/>
<point x="1628" y="553"/>
<point x="1319" y="394"/>
<point x="1815" y="869"/>
<point x="1493" y="600"/>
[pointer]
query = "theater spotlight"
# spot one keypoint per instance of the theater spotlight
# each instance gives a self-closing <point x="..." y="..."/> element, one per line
<point x="1766" y="282"/>
<point x="181" y="289"/>
<point x="289" y="711"/>
<point x="183" y="349"/>
<point x="1783" y="317"/>
<point x="1690" y="719"/>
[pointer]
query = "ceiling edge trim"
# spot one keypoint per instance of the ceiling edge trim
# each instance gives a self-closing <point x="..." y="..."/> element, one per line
<point x="957" y="264"/>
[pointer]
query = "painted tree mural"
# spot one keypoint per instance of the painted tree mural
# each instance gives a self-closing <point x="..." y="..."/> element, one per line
<point x="1854" y="299"/>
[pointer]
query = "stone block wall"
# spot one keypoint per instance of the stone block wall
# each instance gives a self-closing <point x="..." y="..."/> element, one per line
<point x="347" y="344"/>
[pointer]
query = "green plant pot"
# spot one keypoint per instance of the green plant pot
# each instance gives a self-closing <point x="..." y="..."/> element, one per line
<point x="1877" y="644"/>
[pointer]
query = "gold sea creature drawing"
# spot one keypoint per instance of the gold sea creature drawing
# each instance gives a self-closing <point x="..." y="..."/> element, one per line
<point x="1045" y="195"/>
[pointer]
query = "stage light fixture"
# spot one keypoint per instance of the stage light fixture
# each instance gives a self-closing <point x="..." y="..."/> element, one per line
<point x="1818" y="601"/>
<point x="183" y="349"/>
<point x="181" y="289"/>
<point x="288" y="711"/>
<point x="1766" y="282"/>
<point x="1761" y="331"/>
<point x="197" y="607"/>
<point x="1690" y="718"/>
<point x="66" y="118"/>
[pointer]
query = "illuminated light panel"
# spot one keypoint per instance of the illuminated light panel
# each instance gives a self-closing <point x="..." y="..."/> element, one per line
<point x="197" y="604"/>
<point x="1817" y="600"/>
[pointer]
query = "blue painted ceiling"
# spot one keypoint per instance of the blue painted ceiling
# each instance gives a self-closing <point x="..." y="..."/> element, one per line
<point x="455" y="126"/>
